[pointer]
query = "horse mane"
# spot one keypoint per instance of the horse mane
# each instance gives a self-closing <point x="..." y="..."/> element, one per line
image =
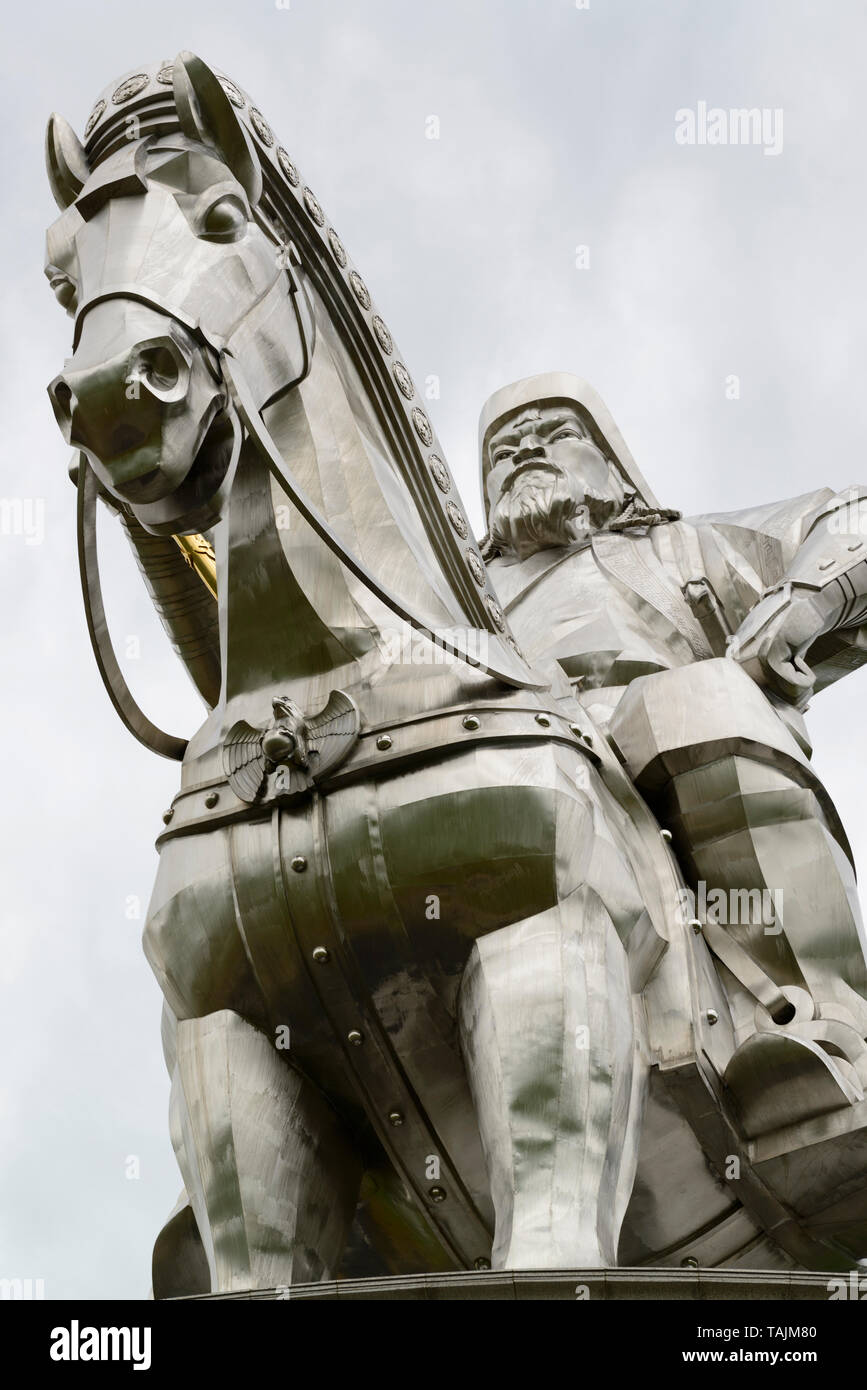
<point x="332" y="438"/>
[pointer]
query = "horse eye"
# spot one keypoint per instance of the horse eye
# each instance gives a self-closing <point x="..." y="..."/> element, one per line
<point x="225" y="220"/>
<point x="65" y="291"/>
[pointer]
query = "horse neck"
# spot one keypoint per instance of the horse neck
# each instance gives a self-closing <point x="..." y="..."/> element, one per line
<point x="289" y="623"/>
<point x="294" y="620"/>
<point x="272" y="636"/>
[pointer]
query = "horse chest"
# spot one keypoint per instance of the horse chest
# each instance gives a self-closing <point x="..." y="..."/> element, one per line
<point x="389" y="877"/>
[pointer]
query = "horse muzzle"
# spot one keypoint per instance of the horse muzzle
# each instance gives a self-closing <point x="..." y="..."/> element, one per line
<point x="144" y="400"/>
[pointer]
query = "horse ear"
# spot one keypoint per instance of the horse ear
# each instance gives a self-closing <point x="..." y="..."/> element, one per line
<point x="65" y="161"/>
<point x="206" y="114"/>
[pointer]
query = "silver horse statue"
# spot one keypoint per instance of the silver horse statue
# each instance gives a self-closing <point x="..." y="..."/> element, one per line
<point x="445" y="911"/>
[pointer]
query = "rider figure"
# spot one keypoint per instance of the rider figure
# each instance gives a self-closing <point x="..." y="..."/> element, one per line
<point x="697" y="644"/>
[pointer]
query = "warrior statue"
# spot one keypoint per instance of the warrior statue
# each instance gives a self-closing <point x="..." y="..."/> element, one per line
<point x="442" y="916"/>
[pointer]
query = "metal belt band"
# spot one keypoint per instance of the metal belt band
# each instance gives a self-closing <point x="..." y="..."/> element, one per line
<point x="384" y="748"/>
<point x="408" y="1138"/>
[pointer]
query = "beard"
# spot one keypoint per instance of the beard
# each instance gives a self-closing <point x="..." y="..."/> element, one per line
<point x="544" y="508"/>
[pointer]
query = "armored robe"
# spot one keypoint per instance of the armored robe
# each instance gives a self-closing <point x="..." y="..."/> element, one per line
<point x="726" y="767"/>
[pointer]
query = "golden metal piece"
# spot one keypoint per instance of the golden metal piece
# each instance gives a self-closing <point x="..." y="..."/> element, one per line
<point x="199" y="555"/>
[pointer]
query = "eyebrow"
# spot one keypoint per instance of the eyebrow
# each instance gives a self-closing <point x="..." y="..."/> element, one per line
<point x="543" y="426"/>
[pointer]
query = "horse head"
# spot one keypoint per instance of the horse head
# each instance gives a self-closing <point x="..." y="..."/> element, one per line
<point x="205" y="283"/>
<point x="169" y="264"/>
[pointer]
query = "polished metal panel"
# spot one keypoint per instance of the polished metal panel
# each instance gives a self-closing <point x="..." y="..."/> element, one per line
<point x="436" y="918"/>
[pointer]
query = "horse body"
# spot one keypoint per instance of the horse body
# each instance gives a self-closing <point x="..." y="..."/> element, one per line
<point x="468" y="820"/>
<point x="412" y="922"/>
<point x="388" y="866"/>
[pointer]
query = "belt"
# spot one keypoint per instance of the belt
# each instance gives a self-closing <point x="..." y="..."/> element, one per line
<point x="385" y="748"/>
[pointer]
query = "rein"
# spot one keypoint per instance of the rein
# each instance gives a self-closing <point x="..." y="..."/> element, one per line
<point x="148" y="733"/>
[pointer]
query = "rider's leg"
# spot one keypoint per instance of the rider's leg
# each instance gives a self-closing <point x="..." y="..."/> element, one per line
<point x="547" y="1033"/>
<point x="271" y="1178"/>
<point x="753" y="827"/>
<point x="785" y="886"/>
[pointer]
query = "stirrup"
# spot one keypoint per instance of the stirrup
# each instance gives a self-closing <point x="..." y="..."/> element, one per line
<point x="780" y="1079"/>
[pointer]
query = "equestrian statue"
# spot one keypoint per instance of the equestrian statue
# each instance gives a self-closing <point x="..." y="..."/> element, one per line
<point x="500" y="918"/>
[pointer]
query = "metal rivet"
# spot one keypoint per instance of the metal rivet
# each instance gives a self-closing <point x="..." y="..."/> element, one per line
<point x="321" y="955"/>
<point x="712" y="1017"/>
<point x="826" y="564"/>
<point x="666" y="835"/>
<point x="689" y="1263"/>
<point x="299" y="863"/>
<point x="437" y="1194"/>
<point x="355" y="1038"/>
<point x="481" y="1263"/>
<point x="383" y="742"/>
<point x="575" y="729"/>
<point x="543" y="720"/>
<point x="167" y="815"/>
<point x="856" y="546"/>
<point x="395" y="1118"/>
<point x="696" y="925"/>
<point x="470" y="722"/>
<point x="211" y="800"/>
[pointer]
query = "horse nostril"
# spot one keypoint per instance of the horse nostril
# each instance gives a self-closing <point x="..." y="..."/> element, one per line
<point x="61" y="399"/>
<point x="159" y="366"/>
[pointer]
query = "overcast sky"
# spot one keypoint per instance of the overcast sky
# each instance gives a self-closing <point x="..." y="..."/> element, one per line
<point x="556" y="131"/>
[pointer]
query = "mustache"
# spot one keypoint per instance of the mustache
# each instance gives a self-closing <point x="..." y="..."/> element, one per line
<point x="531" y="466"/>
<point x="543" y="506"/>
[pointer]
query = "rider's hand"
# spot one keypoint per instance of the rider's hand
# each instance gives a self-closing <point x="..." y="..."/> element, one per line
<point x="772" y="641"/>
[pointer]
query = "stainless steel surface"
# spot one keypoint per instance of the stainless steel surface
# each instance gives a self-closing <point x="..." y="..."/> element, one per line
<point x="438" y="993"/>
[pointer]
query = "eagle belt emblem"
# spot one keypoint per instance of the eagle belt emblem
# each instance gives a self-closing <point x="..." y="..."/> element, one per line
<point x="293" y="753"/>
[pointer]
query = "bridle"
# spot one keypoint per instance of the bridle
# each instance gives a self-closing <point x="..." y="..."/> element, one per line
<point x="249" y="413"/>
<point x="127" y="707"/>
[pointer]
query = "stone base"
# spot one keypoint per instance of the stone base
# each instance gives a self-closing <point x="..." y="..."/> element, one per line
<point x="595" y="1285"/>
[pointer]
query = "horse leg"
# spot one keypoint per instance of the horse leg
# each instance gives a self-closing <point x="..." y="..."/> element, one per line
<point x="272" y="1180"/>
<point x="545" y="1015"/>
